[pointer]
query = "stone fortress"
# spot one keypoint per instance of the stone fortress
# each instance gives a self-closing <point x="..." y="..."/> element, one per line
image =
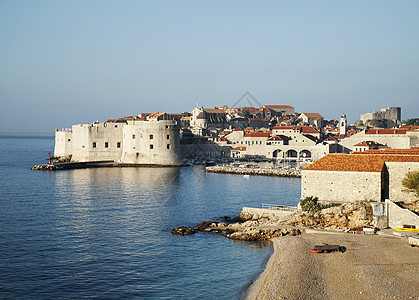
<point x="136" y="141"/>
<point x="392" y="113"/>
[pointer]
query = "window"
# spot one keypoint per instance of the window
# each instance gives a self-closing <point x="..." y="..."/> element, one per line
<point x="118" y="145"/>
<point x="137" y="154"/>
<point x="106" y="144"/>
<point x="168" y="136"/>
<point x="94" y="144"/>
<point x="69" y="140"/>
<point x="151" y="146"/>
<point x="151" y="136"/>
<point x="168" y="146"/>
<point x="133" y="136"/>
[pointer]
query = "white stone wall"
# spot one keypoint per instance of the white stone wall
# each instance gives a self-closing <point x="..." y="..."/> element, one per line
<point x="395" y="141"/>
<point x="63" y="143"/>
<point x="115" y="142"/>
<point x="397" y="216"/>
<point x="153" y="142"/>
<point x="337" y="186"/>
<point x="317" y="151"/>
<point x="397" y="171"/>
<point x="95" y="142"/>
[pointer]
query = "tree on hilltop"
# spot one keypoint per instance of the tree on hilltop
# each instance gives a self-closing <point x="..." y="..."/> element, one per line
<point x="413" y="122"/>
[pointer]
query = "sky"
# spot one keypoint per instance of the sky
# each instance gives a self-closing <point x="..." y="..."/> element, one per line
<point x="72" y="62"/>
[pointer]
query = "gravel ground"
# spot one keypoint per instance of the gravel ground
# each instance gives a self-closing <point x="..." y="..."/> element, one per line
<point x="373" y="267"/>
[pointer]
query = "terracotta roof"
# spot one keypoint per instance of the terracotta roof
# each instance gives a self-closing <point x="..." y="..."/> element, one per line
<point x="239" y="149"/>
<point x="331" y="138"/>
<point x="411" y="151"/>
<point x="410" y="127"/>
<point x="214" y="111"/>
<point x="257" y="134"/>
<point x="386" y="131"/>
<point x="304" y="129"/>
<point x="238" y="129"/>
<point x="249" y="108"/>
<point x="368" y="143"/>
<point x="279" y="138"/>
<point x="277" y="106"/>
<point x="155" y="115"/>
<point x="357" y="163"/>
<point x="312" y="115"/>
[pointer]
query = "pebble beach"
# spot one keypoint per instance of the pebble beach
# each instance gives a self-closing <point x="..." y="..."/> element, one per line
<point x="372" y="267"/>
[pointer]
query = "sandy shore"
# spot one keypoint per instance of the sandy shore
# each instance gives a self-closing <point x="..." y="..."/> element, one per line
<point x="373" y="267"/>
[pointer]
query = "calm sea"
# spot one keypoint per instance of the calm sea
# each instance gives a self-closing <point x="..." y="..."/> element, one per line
<point x="105" y="233"/>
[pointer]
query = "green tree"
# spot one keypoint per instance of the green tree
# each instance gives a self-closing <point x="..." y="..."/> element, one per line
<point x="310" y="204"/>
<point x="411" y="181"/>
<point x="413" y="122"/>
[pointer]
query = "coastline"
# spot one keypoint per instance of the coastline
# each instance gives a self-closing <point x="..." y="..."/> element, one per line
<point x="373" y="266"/>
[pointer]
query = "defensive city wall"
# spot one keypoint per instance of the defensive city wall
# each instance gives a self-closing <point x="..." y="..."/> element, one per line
<point x="128" y="142"/>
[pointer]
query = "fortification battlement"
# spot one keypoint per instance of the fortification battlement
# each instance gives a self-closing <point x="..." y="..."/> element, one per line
<point x="133" y="142"/>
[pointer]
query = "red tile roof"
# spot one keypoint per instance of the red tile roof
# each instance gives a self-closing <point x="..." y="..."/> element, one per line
<point x="357" y="163"/>
<point x="368" y="143"/>
<point x="239" y="149"/>
<point x="277" y="106"/>
<point x="313" y="115"/>
<point x="257" y="134"/>
<point x="411" y="151"/>
<point x="249" y="108"/>
<point x="386" y="131"/>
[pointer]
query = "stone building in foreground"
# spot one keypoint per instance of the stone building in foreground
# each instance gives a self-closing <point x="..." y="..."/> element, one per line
<point x="364" y="177"/>
<point x="137" y="141"/>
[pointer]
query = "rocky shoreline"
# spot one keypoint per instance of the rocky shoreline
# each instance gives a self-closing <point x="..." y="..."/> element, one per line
<point x="46" y="167"/>
<point x="266" y="224"/>
<point x="254" y="171"/>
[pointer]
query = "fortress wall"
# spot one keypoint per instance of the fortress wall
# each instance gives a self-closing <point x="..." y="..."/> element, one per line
<point x="94" y="142"/>
<point x="63" y="143"/>
<point x="151" y="142"/>
<point x="335" y="186"/>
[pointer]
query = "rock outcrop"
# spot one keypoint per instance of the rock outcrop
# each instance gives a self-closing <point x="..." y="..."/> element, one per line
<point x="346" y="215"/>
<point x="183" y="230"/>
<point x="254" y="171"/>
<point x="45" y="168"/>
<point x="262" y="234"/>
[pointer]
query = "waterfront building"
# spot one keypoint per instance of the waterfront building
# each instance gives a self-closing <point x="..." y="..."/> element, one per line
<point x="402" y="138"/>
<point x="359" y="177"/>
<point x="136" y="141"/>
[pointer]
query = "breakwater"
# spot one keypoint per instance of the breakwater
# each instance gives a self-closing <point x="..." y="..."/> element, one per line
<point x="254" y="171"/>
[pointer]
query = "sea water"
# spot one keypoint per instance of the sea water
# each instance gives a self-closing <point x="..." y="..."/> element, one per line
<point x="105" y="233"/>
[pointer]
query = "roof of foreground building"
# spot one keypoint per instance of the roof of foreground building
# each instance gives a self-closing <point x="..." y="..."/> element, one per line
<point x="358" y="163"/>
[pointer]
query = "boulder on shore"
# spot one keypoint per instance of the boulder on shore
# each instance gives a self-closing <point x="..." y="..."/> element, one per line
<point x="45" y="167"/>
<point x="262" y="234"/>
<point x="183" y="230"/>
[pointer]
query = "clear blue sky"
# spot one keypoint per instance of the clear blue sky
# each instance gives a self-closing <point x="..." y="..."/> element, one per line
<point x="70" y="62"/>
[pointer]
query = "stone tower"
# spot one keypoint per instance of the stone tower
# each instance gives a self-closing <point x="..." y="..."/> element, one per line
<point x="342" y="125"/>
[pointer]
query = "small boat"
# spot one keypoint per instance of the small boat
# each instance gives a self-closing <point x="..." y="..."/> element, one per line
<point x="246" y="176"/>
